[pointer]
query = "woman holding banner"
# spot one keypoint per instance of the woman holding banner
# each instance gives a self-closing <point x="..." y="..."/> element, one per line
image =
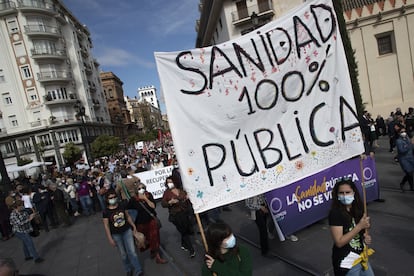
<point x="225" y="256"/>
<point x="348" y="225"/>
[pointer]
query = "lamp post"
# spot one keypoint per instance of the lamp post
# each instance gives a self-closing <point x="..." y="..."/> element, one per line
<point x="80" y="112"/>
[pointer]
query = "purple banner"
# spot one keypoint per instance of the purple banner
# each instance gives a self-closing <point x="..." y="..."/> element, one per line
<point x="307" y="201"/>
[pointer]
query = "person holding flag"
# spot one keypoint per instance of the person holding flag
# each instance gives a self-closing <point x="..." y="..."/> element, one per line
<point x="348" y="226"/>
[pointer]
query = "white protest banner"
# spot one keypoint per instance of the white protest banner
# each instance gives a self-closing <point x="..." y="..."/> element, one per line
<point x="262" y="111"/>
<point x="154" y="180"/>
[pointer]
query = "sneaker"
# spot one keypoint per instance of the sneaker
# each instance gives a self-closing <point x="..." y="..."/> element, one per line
<point x="76" y="214"/>
<point x="28" y="258"/>
<point x="183" y="248"/>
<point x="293" y="238"/>
<point x="270" y="235"/>
<point x="192" y="254"/>
<point x="39" y="260"/>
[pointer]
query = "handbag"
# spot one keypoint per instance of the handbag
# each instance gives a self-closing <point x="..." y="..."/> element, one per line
<point x="151" y="214"/>
<point x="139" y="239"/>
<point x="128" y="196"/>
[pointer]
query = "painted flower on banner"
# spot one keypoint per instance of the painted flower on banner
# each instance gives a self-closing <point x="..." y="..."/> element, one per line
<point x="299" y="165"/>
<point x="190" y="171"/>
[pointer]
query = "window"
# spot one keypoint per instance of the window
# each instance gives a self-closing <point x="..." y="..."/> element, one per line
<point x="385" y="43"/>
<point x="221" y="24"/>
<point x="26" y="145"/>
<point x="7" y="98"/>
<point x="9" y="147"/>
<point x="2" y="78"/>
<point x="19" y="49"/>
<point x="45" y="139"/>
<point x="25" y="70"/>
<point x="68" y="136"/>
<point x="13" y="121"/>
<point x="12" y="26"/>
<point x="36" y="115"/>
<point x="242" y="9"/>
<point x="31" y="94"/>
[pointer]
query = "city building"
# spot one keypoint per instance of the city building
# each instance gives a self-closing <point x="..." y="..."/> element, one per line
<point x="114" y="95"/>
<point x="381" y="33"/>
<point x="144" y="115"/>
<point x="149" y="94"/>
<point x="50" y="89"/>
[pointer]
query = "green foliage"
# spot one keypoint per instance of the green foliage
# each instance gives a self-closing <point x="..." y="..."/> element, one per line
<point x="72" y="153"/>
<point x="105" y="145"/>
<point x="350" y="56"/>
<point x="24" y="161"/>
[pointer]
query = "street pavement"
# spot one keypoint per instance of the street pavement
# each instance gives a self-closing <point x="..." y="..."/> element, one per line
<point x="82" y="249"/>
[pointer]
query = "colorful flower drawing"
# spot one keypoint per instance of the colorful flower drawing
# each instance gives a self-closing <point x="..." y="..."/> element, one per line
<point x="200" y="196"/>
<point x="263" y="172"/>
<point x="299" y="165"/>
<point x="224" y="177"/>
<point x="279" y="170"/>
<point x="190" y="171"/>
<point x="314" y="153"/>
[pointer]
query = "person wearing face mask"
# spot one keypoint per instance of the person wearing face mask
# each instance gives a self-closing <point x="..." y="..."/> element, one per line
<point x="179" y="208"/>
<point x="225" y="256"/>
<point x="405" y="158"/>
<point x="119" y="228"/>
<point x="146" y="221"/>
<point x="348" y="225"/>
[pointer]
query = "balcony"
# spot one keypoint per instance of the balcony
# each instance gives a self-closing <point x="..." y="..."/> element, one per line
<point x="88" y="69"/>
<point x="7" y="7"/>
<point x="60" y="99"/>
<point x="37" y="6"/>
<point x="48" y="54"/>
<point x="264" y="11"/>
<point x="96" y="103"/>
<point x="42" y="30"/>
<point x="3" y="132"/>
<point x="84" y="52"/>
<point x="92" y="87"/>
<point x="54" y="76"/>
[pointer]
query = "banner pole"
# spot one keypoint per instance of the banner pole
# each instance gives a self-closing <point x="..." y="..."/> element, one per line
<point x="364" y="193"/>
<point x="200" y="227"/>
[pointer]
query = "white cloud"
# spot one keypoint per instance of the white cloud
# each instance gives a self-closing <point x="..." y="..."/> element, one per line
<point x="118" y="57"/>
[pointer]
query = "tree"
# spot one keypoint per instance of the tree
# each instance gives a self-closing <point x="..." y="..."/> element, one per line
<point x="105" y="145"/>
<point x="350" y="56"/>
<point x="72" y="153"/>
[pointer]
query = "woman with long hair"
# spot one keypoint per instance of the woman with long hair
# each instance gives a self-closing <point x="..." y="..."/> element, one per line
<point x="146" y="221"/>
<point x="225" y="256"/>
<point x="179" y="208"/>
<point x="347" y="225"/>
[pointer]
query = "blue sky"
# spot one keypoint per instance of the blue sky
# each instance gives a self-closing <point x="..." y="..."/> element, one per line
<point x="126" y="33"/>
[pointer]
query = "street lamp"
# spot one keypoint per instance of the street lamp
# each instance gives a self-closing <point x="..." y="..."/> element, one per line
<point x="80" y="112"/>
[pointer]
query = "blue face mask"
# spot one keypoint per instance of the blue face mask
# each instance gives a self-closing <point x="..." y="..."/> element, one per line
<point x="231" y="242"/>
<point x="346" y="199"/>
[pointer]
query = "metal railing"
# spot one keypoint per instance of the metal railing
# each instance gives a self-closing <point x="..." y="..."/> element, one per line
<point x="41" y="29"/>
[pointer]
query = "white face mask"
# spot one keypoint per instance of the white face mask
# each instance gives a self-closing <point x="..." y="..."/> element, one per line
<point x="170" y="185"/>
<point x="403" y="134"/>
<point x="112" y="201"/>
<point x="141" y="191"/>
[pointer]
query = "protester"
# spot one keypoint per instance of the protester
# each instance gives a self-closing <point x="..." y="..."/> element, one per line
<point x="5" y="226"/>
<point x="126" y="188"/>
<point x="225" y="256"/>
<point x="71" y="190"/>
<point x="44" y="206"/>
<point x="260" y="211"/>
<point x="118" y="224"/>
<point x="20" y="221"/>
<point x="179" y="208"/>
<point x="146" y="221"/>
<point x="59" y="204"/>
<point x="348" y="225"/>
<point x="405" y="158"/>
<point x="85" y="196"/>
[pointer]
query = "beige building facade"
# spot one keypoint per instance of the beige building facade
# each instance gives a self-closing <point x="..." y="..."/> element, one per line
<point x="50" y="89"/>
<point x="381" y="33"/>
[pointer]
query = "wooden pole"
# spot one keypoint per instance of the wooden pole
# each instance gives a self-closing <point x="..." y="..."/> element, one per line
<point x="364" y="193"/>
<point x="200" y="227"/>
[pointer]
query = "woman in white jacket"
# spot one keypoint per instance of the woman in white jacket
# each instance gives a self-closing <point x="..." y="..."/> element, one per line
<point x="71" y="190"/>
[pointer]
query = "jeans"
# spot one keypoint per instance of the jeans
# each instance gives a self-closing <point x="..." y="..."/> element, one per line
<point x="358" y="271"/>
<point x="74" y="205"/>
<point x="86" y="203"/>
<point x="126" y="247"/>
<point x="28" y="245"/>
<point x="101" y="200"/>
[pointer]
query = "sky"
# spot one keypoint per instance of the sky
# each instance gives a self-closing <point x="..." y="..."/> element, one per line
<point x="126" y="33"/>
